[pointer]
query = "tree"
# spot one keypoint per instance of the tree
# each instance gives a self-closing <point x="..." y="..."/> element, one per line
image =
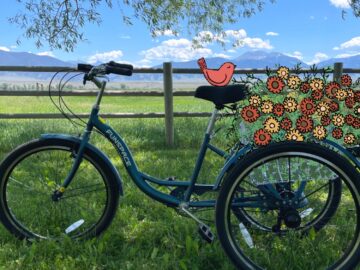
<point x="60" y="23"/>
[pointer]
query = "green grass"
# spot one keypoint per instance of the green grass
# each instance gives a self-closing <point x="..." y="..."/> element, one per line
<point x="144" y="234"/>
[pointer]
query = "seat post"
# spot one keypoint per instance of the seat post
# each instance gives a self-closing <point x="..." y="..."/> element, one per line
<point x="212" y="120"/>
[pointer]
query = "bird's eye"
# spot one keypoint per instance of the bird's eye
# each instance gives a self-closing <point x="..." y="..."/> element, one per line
<point x="228" y="67"/>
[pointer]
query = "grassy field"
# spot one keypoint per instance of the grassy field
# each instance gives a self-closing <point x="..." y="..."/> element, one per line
<point x="144" y="234"/>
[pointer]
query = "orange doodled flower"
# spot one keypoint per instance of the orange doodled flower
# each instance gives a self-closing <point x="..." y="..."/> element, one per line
<point x="267" y="106"/>
<point x="294" y="135"/>
<point x="293" y="82"/>
<point x="262" y="138"/>
<point x="304" y="124"/>
<point x="305" y="87"/>
<point x="350" y="102"/>
<point x="286" y="124"/>
<point x="319" y="132"/>
<point x="349" y="119"/>
<point x="341" y="94"/>
<point x="278" y="109"/>
<point x="338" y="120"/>
<point x="317" y="84"/>
<point x="356" y="123"/>
<point x="334" y="106"/>
<point x="337" y="133"/>
<point x="271" y="125"/>
<point x="346" y="80"/>
<point x="290" y="104"/>
<point x="307" y="106"/>
<point x="255" y="100"/>
<point x="250" y="113"/>
<point x="283" y="72"/>
<point x="331" y="89"/>
<point x="322" y="108"/>
<point x="325" y="120"/>
<point x="349" y="138"/>
<point x="275" y="84"/>
<point x="317" y="94"/>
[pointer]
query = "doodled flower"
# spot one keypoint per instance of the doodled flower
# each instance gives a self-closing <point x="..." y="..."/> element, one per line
<point x="290" y="104"/>
<point x="338" y="120"/>
<point x="283" y="72"/>
<point x="261" y="137"/>
<point x="294" y="135"/>
<point x="267" y="106"/>
<point x="341" y="94"/>
<point x="356" y="123"/>
<point x="250" y="113"/>
<point x="293" y="82"/>
<point x="317" y="84"/>
<point x="350" y="102"/>
<point x="349" y="119"/>
<point x="305" y="87"/>
<point x="350" y="92"/>
<point x="319" y="132"/>
<point x="307" y="106"/>
<point x="255" y="100"/>
<point x="333" y="106"/>
<point x="322" y="108"/>
<point x="275" y="84"/>
<point x="317" y="94"/>
<point x="271" y="125"/>
<point x="325" y="120"/>
<point x="349" y="138"/>
<point x="304" y="124"/>
<point x="286" y="123"/>
<point x="345" y="80"/>
<point x="331" y="89"/>
<point x="278" y="109"/>
<point x="337" y="133"/>
<point x="357" y="96"/>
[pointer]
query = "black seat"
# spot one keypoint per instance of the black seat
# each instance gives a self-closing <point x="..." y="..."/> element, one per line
<point x="222" y="95"/>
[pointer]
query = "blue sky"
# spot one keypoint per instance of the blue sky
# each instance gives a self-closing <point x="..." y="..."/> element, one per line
<point x="309" y="30"/>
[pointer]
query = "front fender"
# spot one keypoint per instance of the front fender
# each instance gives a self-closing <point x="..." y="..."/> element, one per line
<point x="99" y="153"/>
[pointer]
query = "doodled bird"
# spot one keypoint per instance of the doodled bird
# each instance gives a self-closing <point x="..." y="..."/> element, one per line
<point x="217" y="77"/>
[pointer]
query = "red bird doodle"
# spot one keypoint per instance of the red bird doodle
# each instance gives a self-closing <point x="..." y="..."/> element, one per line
<point x="217" y="77"/>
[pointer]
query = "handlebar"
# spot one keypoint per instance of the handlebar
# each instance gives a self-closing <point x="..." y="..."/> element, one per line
<point x="108" y="68"/>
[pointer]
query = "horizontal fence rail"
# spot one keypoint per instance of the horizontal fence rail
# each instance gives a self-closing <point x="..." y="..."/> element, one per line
<point x="167" y="92"/>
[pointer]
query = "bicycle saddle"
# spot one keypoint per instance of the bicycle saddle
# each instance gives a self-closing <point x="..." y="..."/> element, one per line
<point x="222" y="95"/>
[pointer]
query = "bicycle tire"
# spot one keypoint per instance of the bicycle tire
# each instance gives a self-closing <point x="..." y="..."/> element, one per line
<point x="27" y="217"/>
<point x="264" y="245"/>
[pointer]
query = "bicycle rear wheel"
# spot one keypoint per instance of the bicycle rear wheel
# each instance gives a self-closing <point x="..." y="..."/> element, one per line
<point x="30" y="175"/>
<point x="309" y="220"/>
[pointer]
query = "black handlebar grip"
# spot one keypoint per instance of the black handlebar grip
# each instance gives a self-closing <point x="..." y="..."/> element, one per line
<point x="84" y="67"/>
<point x="126" y="66"/>
<point x="119" y="71"/>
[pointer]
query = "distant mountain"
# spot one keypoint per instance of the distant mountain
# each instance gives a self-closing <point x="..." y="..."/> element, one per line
<point x="348" y="62"/>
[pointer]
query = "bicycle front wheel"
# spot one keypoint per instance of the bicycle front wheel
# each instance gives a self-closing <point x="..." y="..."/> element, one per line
<point x="30" y="175"/>
<point x="291" y="205"/>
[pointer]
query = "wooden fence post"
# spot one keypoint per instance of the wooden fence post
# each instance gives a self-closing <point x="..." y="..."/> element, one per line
<point x="168" y="99"/>
<point x="338" y="70"/>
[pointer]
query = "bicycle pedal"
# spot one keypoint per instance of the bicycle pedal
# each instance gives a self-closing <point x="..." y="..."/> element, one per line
<point x="206" y="233"/>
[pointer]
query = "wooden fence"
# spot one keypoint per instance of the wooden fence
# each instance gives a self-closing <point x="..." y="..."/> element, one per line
<point x="167" y="93"/>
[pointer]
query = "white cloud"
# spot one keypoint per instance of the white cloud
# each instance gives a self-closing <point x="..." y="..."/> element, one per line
<point x="13" y="46"/>
<point x="3" y="48"/>
<point x="354" y="42"/>
<point x="295" y="54"/>
<point x="340" y="3"/>
<point x="105" y="56"/>
<point x="318" y="57"/>
<point x="167" y="33"/>
<point x="345" y="55"/>
<point x="47" y="53"/>
<point x="222" y="55"/>
<point x="272" y="34"/>
<point x="255" y="43"/>
<point x="125" y="37"/>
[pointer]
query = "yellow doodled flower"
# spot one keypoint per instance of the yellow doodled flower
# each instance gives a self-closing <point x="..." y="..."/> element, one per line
<point x="322" y="108"/>
<point x="317" y="84"/>
<point x="338" y="120"/>
<point x="283" y="72"/>
<point x="294" y="135"/>
<point x="267" y="106"/>
<point x="255" y="100"/>
<point x="271" y="125"/>
<point x="341" y="94"/>
<point x="290" y="104"/>
<point x="294" y="82"/>
<point x="349" y="138"/>
<point x="319" y="132"/>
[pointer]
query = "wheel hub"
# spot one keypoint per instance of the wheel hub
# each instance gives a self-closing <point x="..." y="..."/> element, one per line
<point x="291" y="218"/>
